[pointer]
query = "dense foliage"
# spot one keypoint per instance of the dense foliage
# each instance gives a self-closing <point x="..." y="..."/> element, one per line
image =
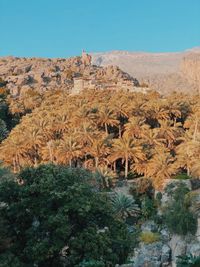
<point x="125" y="132"/>
<point x="188" y="261"/>
<point x="178" y="216"/>
<point x="52" y="214"/>
<point x="7" y="120"/>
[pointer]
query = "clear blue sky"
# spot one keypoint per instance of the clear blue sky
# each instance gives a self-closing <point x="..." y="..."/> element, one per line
<point x="62" y="28"/>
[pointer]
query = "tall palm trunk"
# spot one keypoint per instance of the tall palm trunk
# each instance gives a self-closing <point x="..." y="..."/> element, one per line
<point x="114" y="166"/>
<point x="50" y="152"/>
<point x="106" y="128"/>
<point x="14" y="166"/>
<point x="35" y="162"/>
<point x="85" y="158"/>
<point x="126" y="166"/>
<point x="96" y="162"/>
<point x="195" y="130"/>
<point x="188" y="171"/>
<point x="70" y="162"/>
<point x="120" y="131"/>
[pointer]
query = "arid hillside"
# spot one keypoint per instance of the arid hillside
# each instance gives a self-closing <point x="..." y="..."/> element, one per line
<point x="164" y="72"/>
<point x="72" y="75"/>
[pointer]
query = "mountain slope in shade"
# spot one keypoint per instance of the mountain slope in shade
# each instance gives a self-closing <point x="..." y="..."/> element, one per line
<point x="162" y="71"/>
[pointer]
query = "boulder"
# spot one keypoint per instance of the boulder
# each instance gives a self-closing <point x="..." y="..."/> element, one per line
<point x="178" y="247"/>
<point x="165" y="234"/>
<point x="149" y="226"/>
<point x="198" y="230"/>
<point x="152" y="255"/>
<point x="166" y="255"/>
<point x="194" y="248"/>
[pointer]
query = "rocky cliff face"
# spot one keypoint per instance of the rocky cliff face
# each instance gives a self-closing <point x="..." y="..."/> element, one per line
<point x="190" y="68"/>
<point x="164" y="252"/>
<point x="23" y="74"/>
<point x="164" y="72"/>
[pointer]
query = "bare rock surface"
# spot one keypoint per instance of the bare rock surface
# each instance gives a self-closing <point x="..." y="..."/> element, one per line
<point x="164" y="72"/>
<point x="41" y="74"/>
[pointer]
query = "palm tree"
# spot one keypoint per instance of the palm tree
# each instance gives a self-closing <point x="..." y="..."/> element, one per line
<point x="126" y="148"/>
<point x="187" y="153"/>
<point x="98" y="149"/>
<point x="34" y="141"/>
<point x="135" y="127"/>
<point x="121" y="110"/>
<point x="193" y="123"/>
<point x="50" y="152"/>
<point x="161" y="166"/>
<point x="62" y="123"/>
<point x="105" y="176"/>
<point x="124" y="205"/>
<point x="151" y="139"/>
<point x="155" y="111"/>
<point x="13" y="152"/>
<point x="169" y="131"/>
<point x="106" y="118"/>
<point x="69" y="150"/>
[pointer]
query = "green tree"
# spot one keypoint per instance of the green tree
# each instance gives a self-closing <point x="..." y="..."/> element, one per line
<point x="124" y="205"/>
<point x="3" y="130"/>
<point x="177" y="216"/>
<point x="53" y="213"/>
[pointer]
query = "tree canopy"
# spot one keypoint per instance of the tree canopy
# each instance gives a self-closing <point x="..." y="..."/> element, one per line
<point x="126" y="132"/>
<point x="53" y="215"/>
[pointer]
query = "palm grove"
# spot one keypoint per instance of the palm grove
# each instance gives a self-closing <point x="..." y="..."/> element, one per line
<point x="120" y="133"/>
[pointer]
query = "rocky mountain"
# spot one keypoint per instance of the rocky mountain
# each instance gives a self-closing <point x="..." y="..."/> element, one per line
<point x="74" y="74"/>
<point x="164" y="72"/>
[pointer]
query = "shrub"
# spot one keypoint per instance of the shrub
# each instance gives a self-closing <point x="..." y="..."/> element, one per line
<point x="105" y="177"/>
<point x="188" y="261"/>
<point x="56" y="207"/>
<point x="7" y="259"/>
<point x="182" y="176"/>
<point x="177" y="216"/>
<point x="148" y="208"/>
<point x="124" y="206"/>
<point x="91" y="263"/>
<point x="149" y="237"/>
<point x="3" y="130"/>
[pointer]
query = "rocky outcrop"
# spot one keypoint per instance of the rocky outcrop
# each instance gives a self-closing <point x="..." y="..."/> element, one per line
<point x="72" y="75"/>
<point x="164" y="252"/>
<point x="156" y="254"/>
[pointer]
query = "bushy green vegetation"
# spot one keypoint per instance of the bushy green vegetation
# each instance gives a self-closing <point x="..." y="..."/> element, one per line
<point x="53" y="211"/>
<point x="143" y="192"/>
<point x="188" y="261"/>
<point x="124" y="206"/>
<point x="177" y="216"/>
<point x="7" y="121"/>
<point x="182" y="176"/>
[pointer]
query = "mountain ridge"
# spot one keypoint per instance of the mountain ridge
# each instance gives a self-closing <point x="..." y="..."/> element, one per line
<point x="163" y="72"/>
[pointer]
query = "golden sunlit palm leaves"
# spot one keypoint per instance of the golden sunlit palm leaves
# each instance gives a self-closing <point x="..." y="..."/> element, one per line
<point x="161" y="166"/>
<point x="126" y="149"/>
<point x="104" y="129"/>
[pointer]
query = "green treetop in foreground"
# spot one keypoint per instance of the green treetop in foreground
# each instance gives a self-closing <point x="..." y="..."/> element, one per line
<point x="54" y="216"/>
